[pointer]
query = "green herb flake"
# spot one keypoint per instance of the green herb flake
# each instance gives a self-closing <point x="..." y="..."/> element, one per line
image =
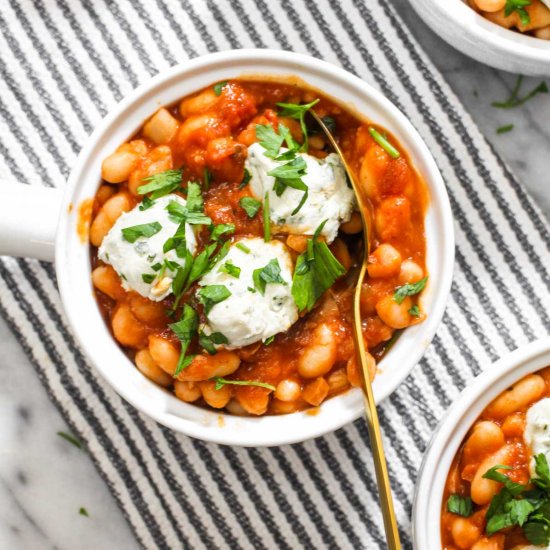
<point x="518" y="6"/>
<point x="246" y="178"/>
<point x="71" y="439"/>
<point x="270" y="273"/>
<point x="384" y="143"/>
<point x="222" y="230"/>
<point x="146" y="203"/>
<point x="148" y="277"/>
<point x="132" y="234"/>
<point x="219" y="87"/>
<point x="316" y="271"/>
<point x="290" y="175"/>
<point x="206" y="178"/>
<point x="210" y="341"/>
<point x="298" y="112"/>
<point x="221" y="382"/>
<point x="267" y="221"/>
<point x="462" y="506"/>
<point x="230" y="269"/>
<point x="243" y="247"/>
<point x="410" y="289"/>
<point x="180" y="214"/>
<point x="250" y="205"/>
<point x="83" y="512"/>
<point x="414" y="311"/>
<point x="185" y="329"/>
<point x="269" y="139"/>
<point x="505" y="129"/>
<point x="515" y="101"/>
<point x="211" y="295"/>
<point x="269" y="340"/>
<point x="162" y="183"/>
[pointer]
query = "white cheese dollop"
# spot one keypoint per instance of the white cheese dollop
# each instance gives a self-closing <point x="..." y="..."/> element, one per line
<point x="132" y="260"/>
<point x="329" y="197"/>
<point x="246" y="316"/>
<point x="537" y="429"/>
<point x="546" y="3"/>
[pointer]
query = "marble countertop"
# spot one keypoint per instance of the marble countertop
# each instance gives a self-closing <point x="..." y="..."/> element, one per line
<point x="44" y="480"/>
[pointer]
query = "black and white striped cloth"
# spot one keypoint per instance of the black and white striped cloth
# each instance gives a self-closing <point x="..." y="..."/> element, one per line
<point x="63" y="64"/>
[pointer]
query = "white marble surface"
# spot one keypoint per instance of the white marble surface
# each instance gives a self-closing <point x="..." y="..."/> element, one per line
<point x="45" y="480"/>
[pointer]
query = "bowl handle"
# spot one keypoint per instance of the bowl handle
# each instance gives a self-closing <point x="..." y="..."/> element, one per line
<point x="28" y="220"/>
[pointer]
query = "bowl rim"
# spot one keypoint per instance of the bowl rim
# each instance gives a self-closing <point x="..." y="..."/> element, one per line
<point x="474" y="35"/>
<point x="72" y="255"/>
<point x="452" y="429"/>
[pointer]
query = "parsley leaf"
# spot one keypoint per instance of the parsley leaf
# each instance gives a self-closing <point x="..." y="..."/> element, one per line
<point x="194" y="199"/>
<point x="298" y="112"/>
<point x="290" y="175"/>
<point x="269" y="340"/>
<point x="537" y="533"/>
<point x="71" y="439"/>
<point x="515" y="101"/>
<point x="250" y="205"/>
<point x="211" y="295"/>
<point x="543" y="473"/>
<point x="246" y="178"/>
<point x="266" y="218"/>
<point x="146" y="203"/>
<point x="185" y="329"/>
<point x="410" y="289"/>
<point x="221" y="382"/>
<point x="316" y="271"/>
<point x="206" y="178"/>
<point x="83" y="512"/>
<point x="414" y="311"/>
<point x="222" y="229"/>
<point x="269" y="139"/>
<point x="209" y="341"/>
<point x="270" y="273"/>
<point x="384" y="143"/>
<point x="132" y="234"/>
<point x="505" y="129"/>
<point x="243" y="247"/>
<point x="519" y="7"/>
<point x="463" y="506"/>
<point x="219" y="87"/>
<point x="230" y="269"/>
<point x="180" y="214"/>
<point x="148" y="277"/>
<point x="162" y="183"/>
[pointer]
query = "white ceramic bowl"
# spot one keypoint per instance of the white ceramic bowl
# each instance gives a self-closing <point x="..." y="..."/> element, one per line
<point x="452" y="430"/>
<point x="73" y="258"/>
<point x="473" y="35"/>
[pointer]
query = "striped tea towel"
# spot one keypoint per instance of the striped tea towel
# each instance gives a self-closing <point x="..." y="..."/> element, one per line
<point x="63" y="64"/>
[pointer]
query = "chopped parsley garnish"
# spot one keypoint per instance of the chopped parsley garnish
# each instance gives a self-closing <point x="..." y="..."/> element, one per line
<point x="269" y="139"/>
<point x="222" y="229"/>
<point x="211" y="295"/>
<point x="206" y="178"/>
<point x="185" y="329"/>
<point x="462" y="506"/>
<point x="290" y="175"/>
<point x="414" y="311"/>
<point x="316" y="271"/>
<point x="193" y="211"/>
<point x="514" y="100"/>
<point x="251" y="289"/>
<point x="146" y="203"/>
<point x="219" y="87"/>
<point x="267" y="221"/>
<point x="298" y="112"/>
<point x="410" y="289"/>
<point x="270" y="273"/>
<point x="71" y="439"/>
<point x="516" y="504"/>
<point x="231" y="269"/>
<point x="194" y="199"/>
<point x="221" y="382"/>
<point x="505" y="129"/>
<point x="83" y="512"/>
<point x="246" y="178"/>
<point x="209" y="341"/>
<point x="250" y="205"/>
<point x="162" y="183"/>
<point x="132" y="234"/>
<point x="268" y="341"/>
<point x="518" y="6"/>
<point x="243" y="247"/>
<point x="148" y="277"/>
<point x="384" y="143"/>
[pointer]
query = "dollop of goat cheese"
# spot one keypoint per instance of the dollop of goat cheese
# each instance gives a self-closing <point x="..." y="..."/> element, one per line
<point x="134" y="260"/>
<point x="537" y="429"/>
<point x="329" y="197"/>
<point x="248" y="316"/>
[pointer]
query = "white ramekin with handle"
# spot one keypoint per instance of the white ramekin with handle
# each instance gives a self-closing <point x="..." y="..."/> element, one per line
<point x="453" y="428"/>
<point x="55" y="228"/>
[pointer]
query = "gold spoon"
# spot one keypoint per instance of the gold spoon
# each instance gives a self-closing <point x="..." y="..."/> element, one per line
<point x="382" y="477"/>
